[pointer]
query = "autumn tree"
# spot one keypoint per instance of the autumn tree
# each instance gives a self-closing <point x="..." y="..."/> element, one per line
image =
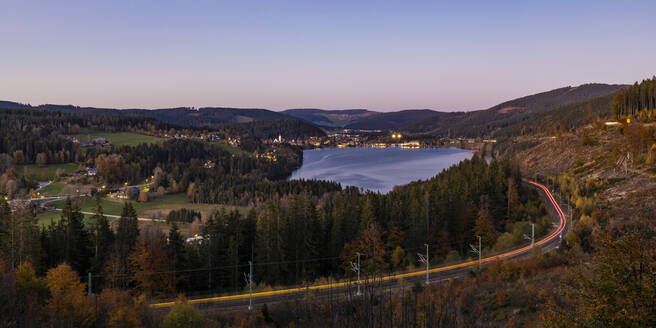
<point x="513" y="199"/>
<point x="6" y="162"/>
<point x="118" y="309"/>
<point x="372" y="248"/>
<point x="153" y="264"/>
<point x="143" y="197"/>
<point x="32" y="291"/>
<point x="159" y="178"/>
<point x="19" y="157"/>
<point x="41" y="159"/>
<point x="112" y="168"/>
<point x="68" y="305"/>
<point x="484" y="227"/>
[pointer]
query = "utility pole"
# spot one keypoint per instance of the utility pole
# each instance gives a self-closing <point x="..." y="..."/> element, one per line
<point x="356" y="268"/>
<point x="249" y="281"/>
<point x="532" y="236"/>
<point x="477" y="250"/>
<point x="569" y="210"/>
<point x="424" y="259"/>
<point x="480" y="251"/>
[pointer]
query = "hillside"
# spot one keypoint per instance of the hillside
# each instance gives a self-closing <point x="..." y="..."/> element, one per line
<point x="330" y="118"/>
<point x="610" y="170"/>
<point x="360" y="119"/>
<point x="564" y="108"/>
<point x="237" y="118"/>
<point x="393" y="120"/>
<point x="209" y="116"/>
<point x="488" y="122"/>
<point x="180" y="116"/>
<point x="564" y="117"/>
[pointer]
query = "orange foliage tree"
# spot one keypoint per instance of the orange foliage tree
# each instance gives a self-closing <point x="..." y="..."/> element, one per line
<point x="119" y="308"/>
<point x="68" y="304"/>
<point x="372" y="248"/>
<point x="153" y="264"/>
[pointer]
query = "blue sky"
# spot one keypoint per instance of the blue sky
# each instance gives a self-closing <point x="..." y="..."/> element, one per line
<point x="382" y="55"/>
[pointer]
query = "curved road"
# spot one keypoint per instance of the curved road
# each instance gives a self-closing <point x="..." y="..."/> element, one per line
<point x="241" y="301"/>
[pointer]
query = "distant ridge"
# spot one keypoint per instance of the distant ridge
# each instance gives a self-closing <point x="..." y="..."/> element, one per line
<point x="181" y="115"/>
<point x="361" y="119"/>
<point x="270" y="123"/>
<point x="330" y="119"/>
<point x="506" y="116"/>
<point x="393" y="120"/>
<point x="486" y="122"/>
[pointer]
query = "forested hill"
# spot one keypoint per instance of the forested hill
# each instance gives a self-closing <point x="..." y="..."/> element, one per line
<point x="360" y="119"/>
<point x="209" y="116"/>
<point x="557" y="97"/>
<point x="179" y="116"/>
<point x="330" y="118"/>
<point x="389" y="121"/>
<point x="564" y="106"/>
<point x="236" y="118"/>
<point x="488" y="122"/>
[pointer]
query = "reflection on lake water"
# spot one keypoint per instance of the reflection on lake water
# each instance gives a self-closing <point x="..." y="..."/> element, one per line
<point x="377" y="169"/>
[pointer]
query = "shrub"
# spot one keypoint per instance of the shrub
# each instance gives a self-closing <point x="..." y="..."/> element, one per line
<point x="182" y="315"/>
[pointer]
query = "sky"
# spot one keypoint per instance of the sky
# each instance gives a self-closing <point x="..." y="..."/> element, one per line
<point x="380" y="55"/>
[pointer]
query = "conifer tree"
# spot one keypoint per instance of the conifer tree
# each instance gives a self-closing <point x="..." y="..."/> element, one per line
<point x="77" y="245"/>
<point x="103" y="237"/>
<point x="127" y="233"/>
<point x="177" y="245"/>
<point x="19" y="241"/>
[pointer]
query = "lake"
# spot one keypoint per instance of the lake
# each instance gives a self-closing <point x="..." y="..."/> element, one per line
<point x="377" y="169"/>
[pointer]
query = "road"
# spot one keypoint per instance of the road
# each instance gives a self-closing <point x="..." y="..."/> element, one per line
<point x="118" y="216"/>
<point x="241" y="301"/>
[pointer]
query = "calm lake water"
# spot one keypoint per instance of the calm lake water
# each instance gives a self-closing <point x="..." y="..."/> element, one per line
<point x="377" y="169"/>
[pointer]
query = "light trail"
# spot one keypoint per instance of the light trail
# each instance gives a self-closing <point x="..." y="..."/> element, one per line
<point x="549" y="238"/>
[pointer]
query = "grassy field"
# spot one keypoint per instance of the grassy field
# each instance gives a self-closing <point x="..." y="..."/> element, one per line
<point x="44" y="219"/>
<point x="118" y="138"/>
<point x="113" y="207"/>
<point x="232" y="150"/>
<point x="53" y="189"/>
<point x="44" y="173"/>
<point x="162" y="204"/>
